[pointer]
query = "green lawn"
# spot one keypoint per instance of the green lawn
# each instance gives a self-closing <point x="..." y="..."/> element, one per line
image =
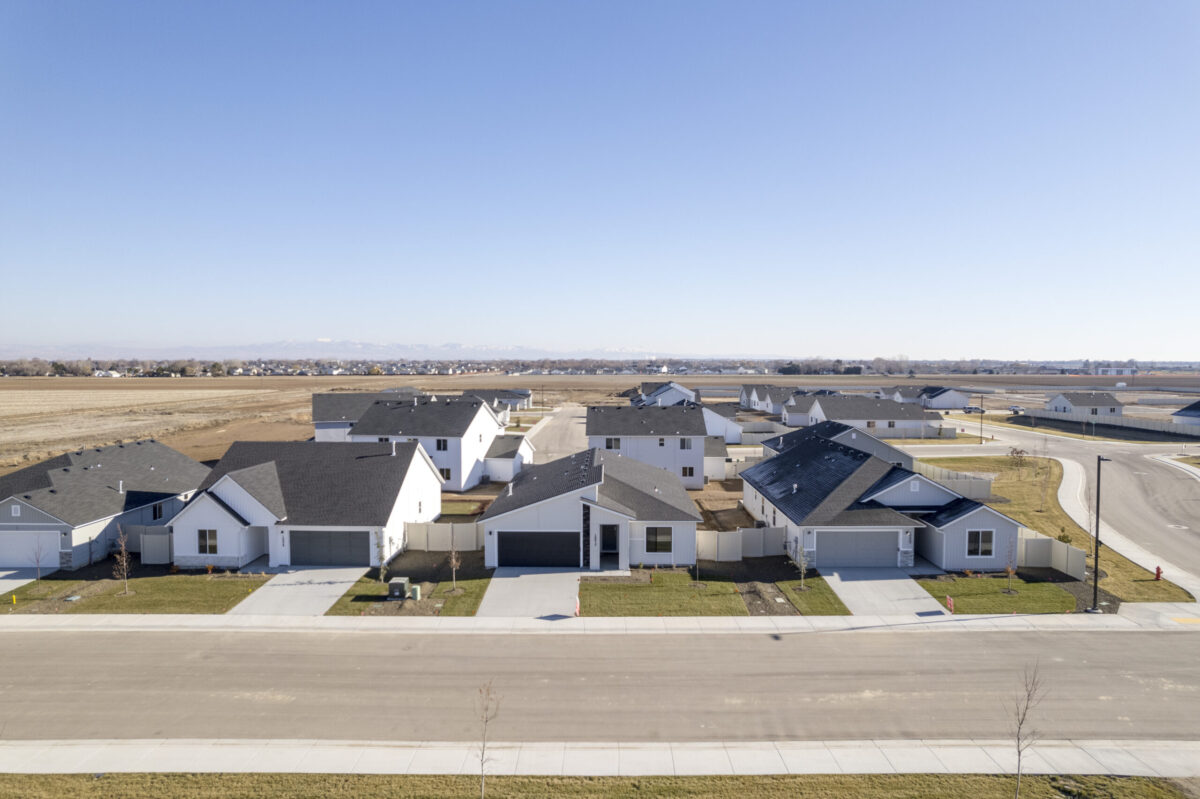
<point x="368" y="591"/>
<point x="818" y="600"/>
<point x="464" y="604"/>
<point x="668" y="594"/>
<point x="1024" y="488"/>
<point x="164" y="593"/>
<point x="353" y="786"/>
<point x="986" y="595"/>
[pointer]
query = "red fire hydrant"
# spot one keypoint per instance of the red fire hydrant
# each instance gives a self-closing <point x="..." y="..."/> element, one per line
<point x="1158" y="572"/>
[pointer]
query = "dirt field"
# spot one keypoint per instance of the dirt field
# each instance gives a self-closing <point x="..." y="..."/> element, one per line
<point x="41" y="417"/>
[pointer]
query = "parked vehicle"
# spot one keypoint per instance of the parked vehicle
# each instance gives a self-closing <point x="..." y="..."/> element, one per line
<point x="1016" y="409"/>
<point x="972" y="409"/>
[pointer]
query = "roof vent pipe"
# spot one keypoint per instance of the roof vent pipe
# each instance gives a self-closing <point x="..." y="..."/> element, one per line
<point x="510" y="489"/>
<point x="120" y="486"/>
<point x="393" y="449"/>
<point x="795" y="487"/>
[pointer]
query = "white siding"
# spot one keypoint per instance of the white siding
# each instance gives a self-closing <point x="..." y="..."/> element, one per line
<point x="927" y="493"/>
<point x="332" y="431"/>
<point x="669" y="456"/>
<point x="562" y="513"/>
<point x="717" y="425"/>
<point x="235" y="545"/>
<point x="683" y="544"/>
<point x="955" y="556"/>
<point x="419" y="500"/>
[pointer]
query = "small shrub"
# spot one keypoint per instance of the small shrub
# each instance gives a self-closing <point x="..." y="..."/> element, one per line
<point x="1066" y="539"/>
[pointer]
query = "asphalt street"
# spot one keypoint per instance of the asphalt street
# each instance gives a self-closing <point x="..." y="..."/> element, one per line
<point x="561" y="436"/>
<point x="593" y="688"/>
<point x="1155" y="505"/>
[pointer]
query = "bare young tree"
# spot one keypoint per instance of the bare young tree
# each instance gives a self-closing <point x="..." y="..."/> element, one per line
<point x="1024" y="702"/>
<point x="39" y="550"/>
<point x="122" y="560"/>
<point x="383" y="566"/>
<point x="488" y="707"/>
<point x="1016" y="456"/>
<point x="1010" y="569"/>
<point x="800" y="558"/>
<point x="455" y="563"/>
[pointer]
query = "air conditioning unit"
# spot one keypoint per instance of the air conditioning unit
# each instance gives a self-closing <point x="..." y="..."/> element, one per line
<point x="398" y="588"/>
<point x="760" y="523"/>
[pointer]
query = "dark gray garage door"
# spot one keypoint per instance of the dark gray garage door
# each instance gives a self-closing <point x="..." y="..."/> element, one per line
<point x="330" y="548"/>
<point x="856" y="548"/>
<point x="538" y="549"/>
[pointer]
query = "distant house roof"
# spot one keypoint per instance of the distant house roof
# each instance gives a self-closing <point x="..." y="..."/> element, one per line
<point x="348" y="406"/>
<point x="649" y="420"/>
<point x="505" y="446"/>
<point x="1191" y="411"/>
<point x="847" y="407"/>
<point x="494" y="395"/>
<point x="714" y="447"/>
<point x="99" y="482"/>
<point x="819" y="482"/>
<point x="319" y="482"/>
<point x="625" y="485"/>
<point x="727" y="409"/>
<point x="446" y="417"/>
<point x="1088" y="399"/>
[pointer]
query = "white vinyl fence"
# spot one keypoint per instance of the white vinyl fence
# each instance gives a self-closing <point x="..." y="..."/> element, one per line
<point x="1086" y="421"/>
<point x="156" y="545"/>
<point x="969" y="485"/>
<point x="745" y="542"/>
<point x="444" y="536"/>
<point x="1040" y="551"/>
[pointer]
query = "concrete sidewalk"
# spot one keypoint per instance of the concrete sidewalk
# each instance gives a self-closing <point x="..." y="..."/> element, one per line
<point x="1148" y="758"/>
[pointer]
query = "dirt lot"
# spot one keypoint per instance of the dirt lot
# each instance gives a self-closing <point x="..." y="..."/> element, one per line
<point x="719" y="505"/>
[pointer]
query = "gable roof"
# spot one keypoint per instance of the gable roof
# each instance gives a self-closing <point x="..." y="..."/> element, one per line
<point x="447" y="417"/>
<point x="325" y="483"/>
<point x="821" y="482"/>
<point x="648" y="420"/>
<point x="505" y="446"/>
<point x="624" y="485"/>
<point x="1191" y="411"/>
<point x="1088" y="399"/>
<point x="729" y="410"/>
<point x="827" y="429"/>
<point x="714" y="447"/>
<point x="348" y="406"/>
<point x="494" y="395"/>
<point x="99" y="482"/>
<point x="848" y="407"/>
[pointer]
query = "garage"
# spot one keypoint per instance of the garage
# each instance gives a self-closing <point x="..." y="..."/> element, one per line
<point x="21" y="549"/>
<point x="856" y="548"/>
<point x="538" y="549"/>
<point x="330" y="548"/>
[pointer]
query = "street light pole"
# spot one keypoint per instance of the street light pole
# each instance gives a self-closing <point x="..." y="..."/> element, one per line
<point x="1095" y="608"/>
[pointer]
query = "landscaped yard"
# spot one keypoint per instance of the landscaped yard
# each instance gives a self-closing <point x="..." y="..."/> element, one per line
<point x="666" y="593"/>
<point x="431" y="571"/>
<point x="987" y="595"/>
<point x="1019" y="491"/>
<point x="817" y="600"/>
<point x="799" y="786"/>
<point x="1191" y="460"/>
<point x="152" y="589"/>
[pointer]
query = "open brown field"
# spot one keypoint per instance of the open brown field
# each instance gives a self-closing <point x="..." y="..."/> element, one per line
<point x="41" y="417"/>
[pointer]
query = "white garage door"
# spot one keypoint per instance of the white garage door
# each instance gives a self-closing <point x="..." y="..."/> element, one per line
<point x="856" y="548"/>
<point x="24" y="549"/>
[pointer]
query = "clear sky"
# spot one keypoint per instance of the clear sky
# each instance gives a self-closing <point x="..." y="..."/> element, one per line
<point x="939" y="179"/>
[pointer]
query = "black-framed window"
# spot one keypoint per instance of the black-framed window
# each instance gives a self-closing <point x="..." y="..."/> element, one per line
<point x="612" y="443"/>
<point x="685" y="443"/>
<point x="980" y="543"/>
<point x="658" y="539"/>
<point x="687" y="471"/>
<point x="441" y="445"/>
<point x="156" y="512"/>
<point x="206" y="542"/>
<point x="445" y="473"/>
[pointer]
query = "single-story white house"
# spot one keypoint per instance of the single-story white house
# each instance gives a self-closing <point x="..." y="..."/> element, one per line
<point x="846" y="508"/>
<point x="668" y="393"/>
<point x="1093" y="403"/>
<point x="506" y="457"/>
<point x="1188" y="416"/>
<point x="69" y="511"/>
<point x="590" y="510"/>
<point x="938" y="398"/>
<point x="307" y="503"/>
<point x="884" y="418"/>
<point x="670" y="438"/>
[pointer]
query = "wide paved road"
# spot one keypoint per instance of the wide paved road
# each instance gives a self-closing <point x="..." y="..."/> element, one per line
<point x="561" y="436"/>
<point x="1155" y="505"/>
<point x="593" y="688"/>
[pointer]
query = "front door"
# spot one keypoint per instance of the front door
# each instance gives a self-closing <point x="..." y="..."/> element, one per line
<point x="608" y="538"/>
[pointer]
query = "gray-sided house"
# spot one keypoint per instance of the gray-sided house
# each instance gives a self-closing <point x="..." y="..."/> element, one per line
<point x="457" y="433"/>
<point x="847" y="508"/>
<point x="66" y="512"/>
<point x="1091" y="403"/>
<point x="590" y="508"/>
<point x="334" y="414"/>
<point x="842" y="434"/>
<point x="507" y="456"/>
<point x="885" y="418"/>
<point x="670" y="438"/>
<point x="306" y="503"/>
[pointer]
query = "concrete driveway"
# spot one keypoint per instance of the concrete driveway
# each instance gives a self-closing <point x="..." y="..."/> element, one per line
<point x="12" y="579"/>
<point x="563" y="434"/>
<point x="301" y="591"/>
<point x="531" y="592"/>
<point x="881" y="592"/>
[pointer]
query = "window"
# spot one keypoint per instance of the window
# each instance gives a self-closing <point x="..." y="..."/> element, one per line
<point x="156" y="512"/>
<point x="891" y="423"/>
<point x="382" y="439"/>
<point x="688" y="471"/>
<point x="1095" y="411"/>
<point x="1112" y="410"/>
<point x="979" y="543"/>
<point x="481" y="438"/>
<point x="870" y="423"/>
<point x="441" y="445"/>
<point x="685" y="443"/>
<point x="658" y="539"/>
<point x="16" y="510"/>
<point x="445" y="473"/>
<point x="419" y="503"/>
<point x="662" y="442"/>
<point x="206" y="542"/>
<point x="914" y="486"/>
<point x="612" y="443"/>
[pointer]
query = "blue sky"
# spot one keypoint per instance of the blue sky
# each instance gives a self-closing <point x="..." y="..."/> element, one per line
<point x="938" y="179"/>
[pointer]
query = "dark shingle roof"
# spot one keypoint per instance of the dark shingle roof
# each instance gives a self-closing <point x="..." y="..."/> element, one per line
<point x="846" y="407"/>
<point x="505" y="446"/>
<point x="346" y="407"/>
<point x="729" y="410"/>
<point x="1088" y="399"/>
<point x="825" y="429"/>
<point x="494" y="395"/>
<point x="651" y="420"/>
<point x="954" y="510"/>
<point x="319" y="482"/>
<point x="1192" y="410"/>
<point x="626" y="485"/>
<point x="714" y="447"/>
<point x="85" y="485"/>
<point x="445" y="417"/>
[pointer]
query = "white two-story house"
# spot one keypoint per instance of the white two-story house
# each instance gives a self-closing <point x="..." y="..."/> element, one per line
<point x="456" y="433"/>
<point x="670" y="438"/>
